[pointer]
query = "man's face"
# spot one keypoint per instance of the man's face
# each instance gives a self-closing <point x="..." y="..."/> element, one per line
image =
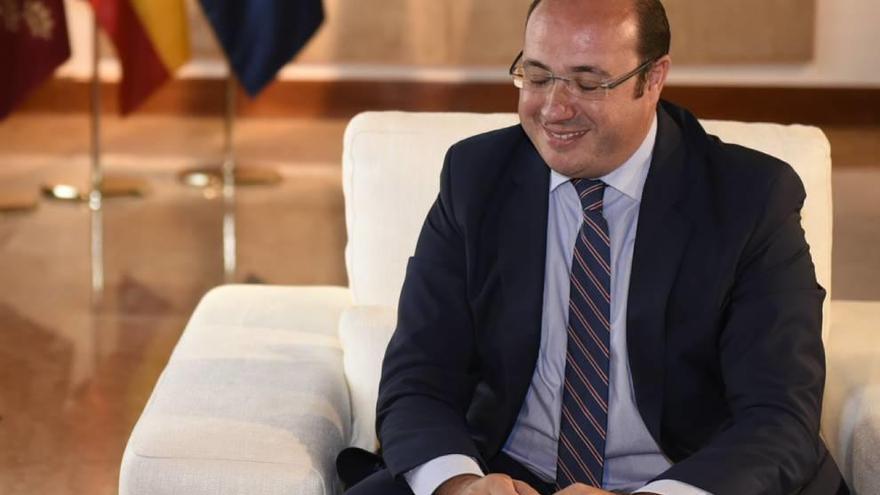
<point x="580" y="137"/>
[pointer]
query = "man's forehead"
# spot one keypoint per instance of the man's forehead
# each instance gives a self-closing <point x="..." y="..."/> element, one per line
<point x="573" y="36"/>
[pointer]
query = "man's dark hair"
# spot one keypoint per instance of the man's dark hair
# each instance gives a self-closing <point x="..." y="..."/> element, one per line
<point x="654" y="34"/>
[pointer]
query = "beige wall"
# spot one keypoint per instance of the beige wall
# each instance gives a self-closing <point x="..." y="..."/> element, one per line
<point x="742" y="31"/>
<point x="437" y="40"/>
<point x="467" y="33"/>
<point x="405" y="33"/>
<point x="419" y="32"/>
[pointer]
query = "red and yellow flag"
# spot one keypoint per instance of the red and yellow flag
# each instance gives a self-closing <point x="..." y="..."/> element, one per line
<point x="151" y="39"/>
<point x="33" y="43"/>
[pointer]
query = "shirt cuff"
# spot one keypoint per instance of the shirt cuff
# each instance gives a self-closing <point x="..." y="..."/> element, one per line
<point x="424" y="479"/>
<point x="670" y="487"/>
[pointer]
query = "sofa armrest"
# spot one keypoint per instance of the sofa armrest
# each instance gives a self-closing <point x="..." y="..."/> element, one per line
<point x="851" y="415"/>
<point x="364" y="332"/>
<point x="253" y="399"/>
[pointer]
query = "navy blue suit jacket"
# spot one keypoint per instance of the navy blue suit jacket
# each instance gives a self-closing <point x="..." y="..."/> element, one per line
<point x="723" y="323"/>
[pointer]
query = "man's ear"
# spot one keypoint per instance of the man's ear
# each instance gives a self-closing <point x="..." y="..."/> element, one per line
<point x="657" y="75"/>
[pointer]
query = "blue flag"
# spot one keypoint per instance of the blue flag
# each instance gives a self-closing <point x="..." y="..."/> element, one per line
<point x="261" y="36"/>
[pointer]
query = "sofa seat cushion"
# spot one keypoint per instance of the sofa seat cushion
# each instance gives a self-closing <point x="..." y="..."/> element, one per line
<point x="248" y="399"/>
<point x="851" y="412"/>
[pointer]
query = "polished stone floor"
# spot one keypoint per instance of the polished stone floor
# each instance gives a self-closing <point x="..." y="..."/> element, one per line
<point x="76" y="366"/>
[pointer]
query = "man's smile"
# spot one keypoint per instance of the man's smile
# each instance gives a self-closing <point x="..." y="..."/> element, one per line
<point x="560" y="137"/>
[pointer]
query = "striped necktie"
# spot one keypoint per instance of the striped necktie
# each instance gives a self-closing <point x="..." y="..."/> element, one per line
<point x="581" y="450"/>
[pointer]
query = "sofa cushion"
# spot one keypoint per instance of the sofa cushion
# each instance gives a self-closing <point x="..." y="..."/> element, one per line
<point x="391" y="174"/>
<point x="253" y="399"/>
<point x="866" y="444"/>
<point x="851" y="409"/>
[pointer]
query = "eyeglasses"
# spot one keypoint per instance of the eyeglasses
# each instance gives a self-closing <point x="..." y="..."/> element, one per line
<point x="580" y="85"/>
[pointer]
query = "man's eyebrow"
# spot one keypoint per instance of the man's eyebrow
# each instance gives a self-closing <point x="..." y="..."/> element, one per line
<point x="591" y="69"/>
<point x="535" y="63"/>
<point x="577" y="69"/>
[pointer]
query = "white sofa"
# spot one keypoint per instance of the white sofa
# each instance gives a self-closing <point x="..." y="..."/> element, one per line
<point x="267" y="384"/>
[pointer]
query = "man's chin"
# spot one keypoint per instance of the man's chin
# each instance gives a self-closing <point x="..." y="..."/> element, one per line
<point x="577" y="169"/>
<point x="565" y="168"/>
<point x="562" y="163"/>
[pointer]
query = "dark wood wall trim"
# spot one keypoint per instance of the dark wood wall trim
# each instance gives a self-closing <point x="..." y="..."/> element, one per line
<point x="343" y="99"/>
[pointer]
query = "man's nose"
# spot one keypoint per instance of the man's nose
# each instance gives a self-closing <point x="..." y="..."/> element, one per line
<point x="558" y="102"/>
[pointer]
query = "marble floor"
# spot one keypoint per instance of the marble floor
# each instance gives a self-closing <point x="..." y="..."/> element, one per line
<point x="77" y="366"/>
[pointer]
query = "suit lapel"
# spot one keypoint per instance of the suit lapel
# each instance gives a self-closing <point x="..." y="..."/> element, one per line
<point x="521" y="252"/>
<point x="661" y="236"/>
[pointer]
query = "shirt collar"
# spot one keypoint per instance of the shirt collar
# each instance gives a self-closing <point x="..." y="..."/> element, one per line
<point x="628" y="178"/>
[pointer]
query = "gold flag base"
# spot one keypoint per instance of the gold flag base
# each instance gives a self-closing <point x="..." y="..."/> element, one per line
<point x="212" y="176"/>
<point x="15" y="200"/>
<point x="112" y="186"/>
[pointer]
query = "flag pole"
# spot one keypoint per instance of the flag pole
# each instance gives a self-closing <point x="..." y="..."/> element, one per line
<point x="96" y="196"/>
<point x="101" y="186"/>
<point x="228" y="173"/>
<point x="210" y="176"/>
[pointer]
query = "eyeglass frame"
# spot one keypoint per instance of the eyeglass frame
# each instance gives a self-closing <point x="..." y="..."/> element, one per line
<point x="607" y="85"/>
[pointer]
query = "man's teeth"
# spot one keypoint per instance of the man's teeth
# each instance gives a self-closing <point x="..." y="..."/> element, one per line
<point x="567" y="135"/>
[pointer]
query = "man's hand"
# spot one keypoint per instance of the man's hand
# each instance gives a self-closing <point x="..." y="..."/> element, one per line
<point x="493" y="484"/>
<point x="582" y="489"/>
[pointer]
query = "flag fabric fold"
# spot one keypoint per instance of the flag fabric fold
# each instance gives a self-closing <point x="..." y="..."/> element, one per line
<point x="151" y="39"/>
<point x="261" y="36"/>
<point x="33" y="43"/>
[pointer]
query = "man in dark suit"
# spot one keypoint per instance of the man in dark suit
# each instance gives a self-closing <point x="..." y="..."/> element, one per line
<point x="606" y="298"/>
